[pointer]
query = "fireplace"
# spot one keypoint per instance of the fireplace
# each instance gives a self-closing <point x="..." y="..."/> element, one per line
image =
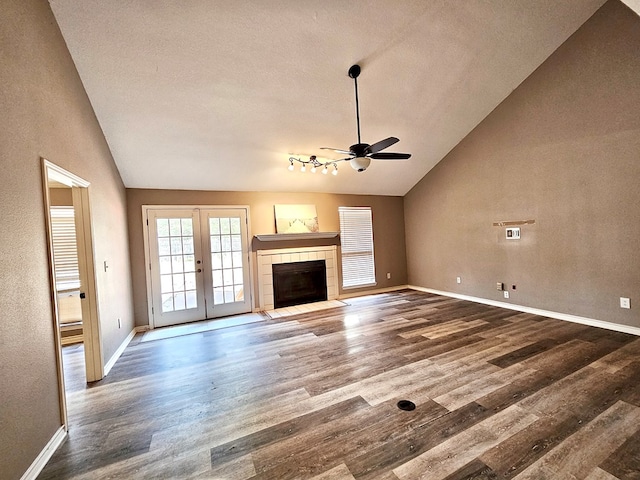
<point x="267" y="259"/>
<point x="296" y="283"/>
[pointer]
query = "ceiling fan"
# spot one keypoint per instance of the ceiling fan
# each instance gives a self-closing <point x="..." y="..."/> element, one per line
<point x="360" y="154"/>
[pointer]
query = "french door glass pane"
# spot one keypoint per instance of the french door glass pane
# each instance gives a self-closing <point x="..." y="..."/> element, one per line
<point x="176" y="245"/>
<point x="192" y="299"/>
<point x="226" y="260"/>
<point x="214" y="225"/>
<point x="164" y="246"/>
<point x="174" y="227"/>
<point x="190" y="282"/>
<point x="226" y="243"/>
<point x="187" y="245"/>
<point x="162" y="225"/>
<point x="175" y="251"/>
<point x="189" y="263"/>
<point x="165" y="265"/>
<point x="216" y="261"/>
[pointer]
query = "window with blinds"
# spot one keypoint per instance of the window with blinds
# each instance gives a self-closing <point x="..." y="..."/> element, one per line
<point x="65" y="251"/>
<point x="356" y="238"/>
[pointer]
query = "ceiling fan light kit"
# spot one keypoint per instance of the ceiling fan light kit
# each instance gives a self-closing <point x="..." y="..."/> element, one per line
<point x="360" y="154"/>
<point x="360" y="164"/>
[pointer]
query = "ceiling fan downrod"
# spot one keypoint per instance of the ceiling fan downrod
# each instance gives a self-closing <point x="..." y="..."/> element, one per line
<point x="354" y="72"/>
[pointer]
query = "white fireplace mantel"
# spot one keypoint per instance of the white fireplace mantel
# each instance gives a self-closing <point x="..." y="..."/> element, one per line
<point x="266" y="258"/>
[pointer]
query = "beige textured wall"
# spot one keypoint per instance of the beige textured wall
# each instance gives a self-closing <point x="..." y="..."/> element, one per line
<point x="388" y="227"/>
<point x="61" y="197"/>
<point x="563" y="149"/>
<point x="45" y="113"/>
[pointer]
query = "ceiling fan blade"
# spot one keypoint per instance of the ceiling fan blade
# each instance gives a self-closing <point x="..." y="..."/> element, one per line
<point x="344" y="152"/>
<point x="382" y="144"/>
<point x="390" y="156"/>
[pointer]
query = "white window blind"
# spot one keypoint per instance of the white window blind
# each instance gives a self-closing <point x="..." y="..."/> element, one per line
<point x="65" y="251"/>
<point x="356" y="239"/>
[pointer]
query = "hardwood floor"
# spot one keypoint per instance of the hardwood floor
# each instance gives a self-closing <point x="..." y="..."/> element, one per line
<point x="498" y="394"/>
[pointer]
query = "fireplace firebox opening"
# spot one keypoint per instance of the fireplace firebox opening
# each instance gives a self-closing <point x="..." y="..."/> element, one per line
<point x="296" y="283"/>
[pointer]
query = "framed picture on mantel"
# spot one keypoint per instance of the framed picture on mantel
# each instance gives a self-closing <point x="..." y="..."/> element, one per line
<point x="296" y="219"/>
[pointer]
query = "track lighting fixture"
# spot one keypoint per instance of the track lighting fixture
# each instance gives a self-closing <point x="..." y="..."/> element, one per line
<point x="314" y="163"/>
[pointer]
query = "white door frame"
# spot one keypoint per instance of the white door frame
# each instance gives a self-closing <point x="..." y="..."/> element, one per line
<point x="94" y="363"/>
<point x="147" y="257"/>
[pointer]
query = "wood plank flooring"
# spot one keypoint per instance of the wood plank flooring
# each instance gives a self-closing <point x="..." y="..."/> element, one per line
<point x="498" y="394"/>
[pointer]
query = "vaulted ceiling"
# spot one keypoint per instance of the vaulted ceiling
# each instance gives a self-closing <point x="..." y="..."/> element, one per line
<point x="216" y="95"/>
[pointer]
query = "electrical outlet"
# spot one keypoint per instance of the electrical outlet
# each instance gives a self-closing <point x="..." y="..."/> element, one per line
<point x="506" y="294"/>
<point x="458" y="280"/>
<point x="625" y="302"/>
<point x="388" y="275"/>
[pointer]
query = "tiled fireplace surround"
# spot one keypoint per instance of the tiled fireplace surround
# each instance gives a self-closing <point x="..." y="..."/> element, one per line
<point x="266" y="258"/>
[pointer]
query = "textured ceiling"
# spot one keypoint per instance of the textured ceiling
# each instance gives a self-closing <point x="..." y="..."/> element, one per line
<point x="215" y="95"/>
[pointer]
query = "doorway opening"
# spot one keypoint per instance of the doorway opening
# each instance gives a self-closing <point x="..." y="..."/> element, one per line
<point x="72" y="274"/>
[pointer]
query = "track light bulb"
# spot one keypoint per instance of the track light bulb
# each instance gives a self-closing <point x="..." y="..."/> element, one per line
<point x="335" y="170"/>
<point x="324" y="170"/>
<point x="291" y="167"/>
<point x="313" y="169"/>
<point x="303" y="168"/>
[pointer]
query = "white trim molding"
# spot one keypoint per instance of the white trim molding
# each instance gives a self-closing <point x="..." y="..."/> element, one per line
<point x="112" y="361"/>
<point x="45" y="455"/>
<point x="537" y="311"/>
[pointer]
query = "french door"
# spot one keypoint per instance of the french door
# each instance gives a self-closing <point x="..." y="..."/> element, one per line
<point x="199" y="264"/>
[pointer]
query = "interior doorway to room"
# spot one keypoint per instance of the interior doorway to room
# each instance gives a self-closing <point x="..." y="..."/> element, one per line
<point x="198" y="262"/>
<point x="73" y="291"/>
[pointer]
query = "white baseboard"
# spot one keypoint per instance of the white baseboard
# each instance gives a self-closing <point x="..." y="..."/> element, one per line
<point x="45" y="455"/>
<point x="112" y="361"/>
<point x="536" y="311"/>
<point x="361" y="293"/>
